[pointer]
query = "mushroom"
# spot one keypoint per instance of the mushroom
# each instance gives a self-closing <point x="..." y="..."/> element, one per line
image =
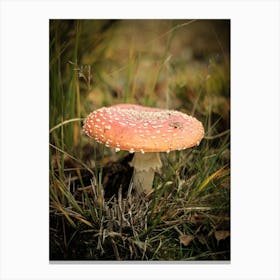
<point x="144" y="131"/>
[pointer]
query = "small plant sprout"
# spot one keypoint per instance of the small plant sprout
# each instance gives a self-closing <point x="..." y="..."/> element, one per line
<point x="144" y="131"/>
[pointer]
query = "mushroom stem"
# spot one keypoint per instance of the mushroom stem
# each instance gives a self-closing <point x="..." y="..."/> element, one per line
<point x="145" y="166"/>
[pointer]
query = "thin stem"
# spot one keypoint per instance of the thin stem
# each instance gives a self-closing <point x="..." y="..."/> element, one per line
<point x="65" y="122"/>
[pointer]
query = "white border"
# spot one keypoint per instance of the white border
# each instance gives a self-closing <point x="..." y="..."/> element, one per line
<point x="24" y="137"/>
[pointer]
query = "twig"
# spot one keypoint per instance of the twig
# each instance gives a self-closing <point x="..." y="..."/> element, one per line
<point x="63" y="123"/>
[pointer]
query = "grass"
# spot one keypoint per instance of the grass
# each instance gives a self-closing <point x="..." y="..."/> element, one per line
<point x="94" y="214"/>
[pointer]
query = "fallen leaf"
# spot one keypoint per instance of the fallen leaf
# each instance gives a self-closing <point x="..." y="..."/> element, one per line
<point x="221" y="234"/>
<point x="186" y="239"/>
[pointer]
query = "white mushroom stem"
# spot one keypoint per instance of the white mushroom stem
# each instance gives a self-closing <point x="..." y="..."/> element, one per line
<point x="145" y="166"/>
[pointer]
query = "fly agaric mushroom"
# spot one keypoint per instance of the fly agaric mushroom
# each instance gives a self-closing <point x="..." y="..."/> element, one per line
<point x="144" y="131"/>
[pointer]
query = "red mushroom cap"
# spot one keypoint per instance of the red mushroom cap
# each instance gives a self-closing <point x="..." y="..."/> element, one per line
<point x="137" y="128"/>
